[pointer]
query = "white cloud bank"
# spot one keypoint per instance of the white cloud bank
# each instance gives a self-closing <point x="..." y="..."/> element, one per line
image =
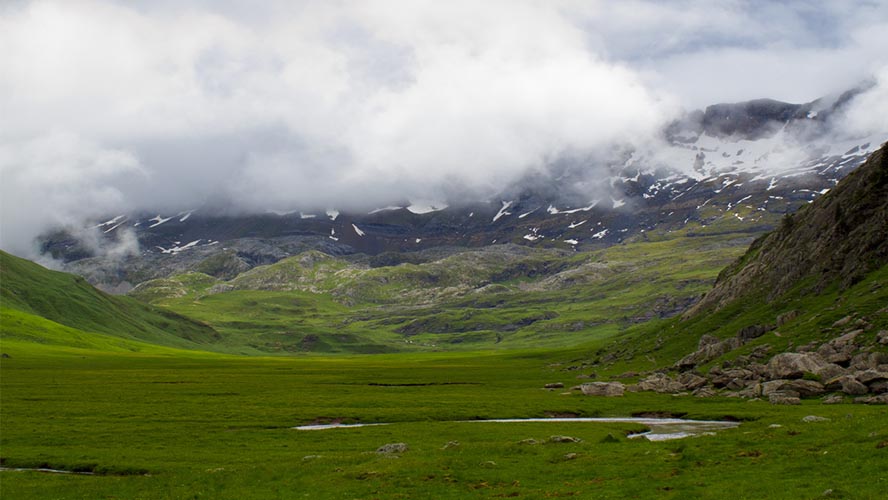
<point x="124" y="105"/>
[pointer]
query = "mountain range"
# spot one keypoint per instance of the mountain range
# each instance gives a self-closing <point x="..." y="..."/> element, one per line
<point x="745" y="163"/>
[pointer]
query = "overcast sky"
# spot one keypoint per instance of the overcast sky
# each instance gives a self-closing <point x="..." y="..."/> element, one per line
<point x="165" y="104"/>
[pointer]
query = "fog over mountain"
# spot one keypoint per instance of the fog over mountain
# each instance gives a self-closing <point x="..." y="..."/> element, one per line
<point x="116" y="105"/>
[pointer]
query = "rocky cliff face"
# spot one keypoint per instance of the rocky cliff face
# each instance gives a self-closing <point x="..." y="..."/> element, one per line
<point x="838" y="238"/>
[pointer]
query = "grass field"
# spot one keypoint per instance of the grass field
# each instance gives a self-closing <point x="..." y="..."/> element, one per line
<point x="194" y="425"/>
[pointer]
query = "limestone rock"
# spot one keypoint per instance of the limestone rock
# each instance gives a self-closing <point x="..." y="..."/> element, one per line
<point x="392" y="448"/>
<point x="804" y="388"/>
<point x="814" y="418"/>
<point x="869" y="360"/>
<point x="830" y="371"/>
<point x="564" y="439"/>
<point x="609" y="389"/>
<point x="879" y="387"/>
<point x="847" y="384"/>
<point x="691" y="381"/>
<point x="709" y="349"/>
<point x="869" y="376"/>
<point x="794" y="365"/>
<point x="659" y="382"/>
<point x="781" y="398"/>
<point x="787" y="317"/>
<point x="734" y="379"/>
<point x="833" y="399"/>
<point x="556" y="385"/>
<point x="704" y="392"/>
<point x="752" y="332"/>
<point x="881" y="399"/>
<point x="882" y="337"/>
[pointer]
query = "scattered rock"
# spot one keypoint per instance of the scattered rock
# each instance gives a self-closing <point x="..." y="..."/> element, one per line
<point x="842" y="322"/>
<point x="833" y="399"/>
<point x="794" y="365"/>
<point x="804" y="388"/>
<point x="709" y="348"/>
<point x="753" y="332"/>
<point x="659" y="382"/>
<point x="392" y="448"/>
<point x="830" y="371"/>
<point x="881" y="399"/>
<point x="849" y="338"/>
<point x="570" y="456"/>
<point x="704" y="392"/>
<point x="610" y="438"/>
<point x="5" y="356"/>
<point x="833" y="354"/>
<point x="529" y="441"/>
<point x="609" y="389"/>
<point x="847" y="384"/>
<point x="879" y="387"/>
<point x="787" y="317"/>
<point x="490" y="464"/>
<point x="882" y="337"/>
<point x="564" y="439"/>
<point x="556" y="385"/>
<point x="450" y="445"/>
<point x="814" y="418"/>
<point x="734" y="379"/>
<point x="306" y="458"/>
<point x="780" y="398"/>
<point x="869" y="376"/>
<point x="691" y="381"/>
<point x="869" y="360"/>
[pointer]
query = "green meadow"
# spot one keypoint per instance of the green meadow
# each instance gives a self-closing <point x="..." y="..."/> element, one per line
<point x="192" y="425"/>
<point x="192" y="394"/>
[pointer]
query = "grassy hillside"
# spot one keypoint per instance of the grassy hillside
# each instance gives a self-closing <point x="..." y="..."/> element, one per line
<point x="503" y="296"/>
<point x="823" y="273"/>
<point x="52" y="307"/>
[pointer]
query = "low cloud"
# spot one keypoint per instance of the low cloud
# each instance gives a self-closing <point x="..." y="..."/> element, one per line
<point x="114" y="106"/>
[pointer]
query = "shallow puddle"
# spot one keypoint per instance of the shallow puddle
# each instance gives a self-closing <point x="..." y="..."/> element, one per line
<point x="662" y="429"/>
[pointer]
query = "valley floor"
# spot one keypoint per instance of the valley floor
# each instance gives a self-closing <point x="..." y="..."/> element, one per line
<point x="210" y="426"/>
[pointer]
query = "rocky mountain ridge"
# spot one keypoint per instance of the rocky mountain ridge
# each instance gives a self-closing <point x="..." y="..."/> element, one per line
<point x="749" y="163"/>
<point x="836" y="244"/>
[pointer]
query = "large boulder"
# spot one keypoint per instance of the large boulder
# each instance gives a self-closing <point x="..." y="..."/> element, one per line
<point x="753" y="332"/>
<point x="784" y="398"/>
<point x="734" y="379"/>
<point x="869" y="376"/>
<point x="794" y="365"/>
<point x="659" y="382"/>
<point x="881" y="399"/>
<point x="691" y="381"/>
<point x="847" y="384"/>
<point x="708" y="349"/>
<point x="609" y="389"/>
<point x="803" y="388"/>
<point x="869" y="360"/>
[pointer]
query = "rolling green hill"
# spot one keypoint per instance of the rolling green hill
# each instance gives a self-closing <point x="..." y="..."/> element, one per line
<point x="48" y="307"/>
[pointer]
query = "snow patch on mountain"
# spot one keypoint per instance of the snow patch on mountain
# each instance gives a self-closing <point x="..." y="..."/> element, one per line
<point x="158" y="220"/>
<point x="502" y="211"/>
<point x="425" y="206"/>
<point x="176" y="249"/>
